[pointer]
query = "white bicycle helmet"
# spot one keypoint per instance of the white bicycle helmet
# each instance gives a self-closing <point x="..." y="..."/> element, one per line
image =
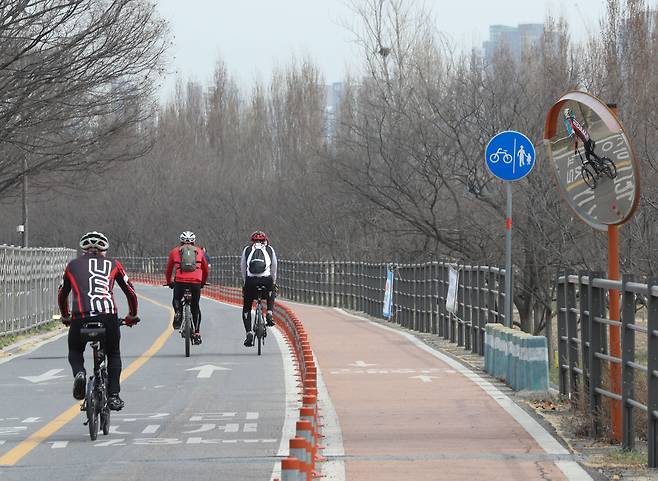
<point x="187" y="237"/>
<point x="94" y="240"/>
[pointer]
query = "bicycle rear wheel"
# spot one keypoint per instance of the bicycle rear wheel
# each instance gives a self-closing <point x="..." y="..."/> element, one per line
<point x="91" y="400"/>
<point x="609" y="167"/>
<point x="187" y="327"/>
<point x="105" y="410"/>
<point x="258" y="328"/>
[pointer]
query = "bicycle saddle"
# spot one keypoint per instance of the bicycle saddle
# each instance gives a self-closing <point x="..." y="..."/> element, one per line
<point x="92" y="331"/>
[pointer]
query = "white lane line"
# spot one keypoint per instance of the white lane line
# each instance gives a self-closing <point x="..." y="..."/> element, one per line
<point x="151" y="429"/>
<point x="34" y="347"/>
<point x="59" y="444"/>
<point x="292" y="403"/>
<point x="30" y="420"/>
<point x="571" y="469"/>
<point x="332" y="469"/>
<point x="252" y="415"/>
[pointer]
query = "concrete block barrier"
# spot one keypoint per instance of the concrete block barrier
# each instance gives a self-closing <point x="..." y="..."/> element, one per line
<point x="518" y="358"/>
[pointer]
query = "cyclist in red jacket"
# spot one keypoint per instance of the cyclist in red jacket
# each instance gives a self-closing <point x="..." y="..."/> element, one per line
<point x="91" y="279"/>
<point x="187" y="268"/>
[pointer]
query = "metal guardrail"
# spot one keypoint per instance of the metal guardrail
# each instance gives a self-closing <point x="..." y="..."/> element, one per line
<point x="29" y="278"/>
<point x="583" y="348"/>
<point x="419" y="298"/>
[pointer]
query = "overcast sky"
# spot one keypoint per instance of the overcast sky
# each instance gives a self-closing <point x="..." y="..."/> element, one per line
<point x="254" y="36"/>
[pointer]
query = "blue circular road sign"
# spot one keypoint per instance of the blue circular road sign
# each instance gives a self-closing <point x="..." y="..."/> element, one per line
<point x="510" y="155"/>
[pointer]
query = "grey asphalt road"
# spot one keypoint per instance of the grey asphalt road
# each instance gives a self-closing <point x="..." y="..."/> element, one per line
<point x="181" y="421"/>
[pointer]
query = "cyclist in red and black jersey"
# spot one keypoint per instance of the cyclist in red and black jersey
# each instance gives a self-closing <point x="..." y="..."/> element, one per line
<point x="91" y="278"/>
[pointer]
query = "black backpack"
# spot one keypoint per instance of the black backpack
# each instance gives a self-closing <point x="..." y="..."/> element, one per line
<point x="257" y="260"/>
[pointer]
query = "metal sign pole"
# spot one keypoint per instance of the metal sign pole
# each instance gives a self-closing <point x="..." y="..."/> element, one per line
<point x="508" y="257"/>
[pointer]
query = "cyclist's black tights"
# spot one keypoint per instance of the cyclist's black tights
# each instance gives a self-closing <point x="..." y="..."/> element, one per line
<point x="179" y="291"/>
<point x="111" y="346"/>
<point x="250" y="294"/>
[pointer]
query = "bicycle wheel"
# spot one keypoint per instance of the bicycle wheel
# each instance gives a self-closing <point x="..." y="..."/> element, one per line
<point x="187" y="329"/>
<point x="91" y="400"/>
<point x="588" y="177"/>
<point x="105" y="410"/>
<point x="609" y="167"/>
<point x="258" y="328"/>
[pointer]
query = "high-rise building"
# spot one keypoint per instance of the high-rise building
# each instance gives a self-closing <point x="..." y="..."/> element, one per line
<point x="334" y="95"/>
<point x="514" y="39"/>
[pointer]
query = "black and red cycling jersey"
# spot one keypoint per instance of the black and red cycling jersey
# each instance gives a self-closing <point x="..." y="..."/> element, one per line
<point x="91" y="277"/>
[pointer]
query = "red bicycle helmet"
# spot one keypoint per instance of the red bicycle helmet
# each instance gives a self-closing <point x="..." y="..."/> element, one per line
<point x="258" y="236"/>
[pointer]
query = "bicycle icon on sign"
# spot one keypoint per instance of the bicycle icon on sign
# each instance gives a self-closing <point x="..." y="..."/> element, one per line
<point x="495" y="157"/>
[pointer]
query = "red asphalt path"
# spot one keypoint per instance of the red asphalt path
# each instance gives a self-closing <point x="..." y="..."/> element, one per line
<point x="406" y="415"/>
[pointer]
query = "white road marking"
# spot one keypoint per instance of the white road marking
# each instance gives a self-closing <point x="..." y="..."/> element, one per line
<point x="110" y="442"/>
<point x="2" y="441"/>
<point x="207" y="370"/>
<point x="59" y="444"/>
<point x="46" y="376"/>
<point x="332" y="469"/>
<point x="229" y="428"/>
<point x="156" y="441"/>
<point x="151" y="429"/>
<point x="424" y="378"/>
<point x="252" y="415"/>
<point x="211" y="417"/>
<point x="250" y="428"/>
<point x="30" y="420"/>
<point x="361" y="364"/>
<point x="571" y="469"/>
<point x="115" y="430"/>
<point x="202" y="429"/>
<point x="8" y="430"/>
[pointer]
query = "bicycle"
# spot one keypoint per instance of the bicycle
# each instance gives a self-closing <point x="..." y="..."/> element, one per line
<point x="260" y="326"/>
<point x="186" y="321"/>
<point x="95" y="402"/>
<point x="599" y="166"/>
<point x="495" y="157"/>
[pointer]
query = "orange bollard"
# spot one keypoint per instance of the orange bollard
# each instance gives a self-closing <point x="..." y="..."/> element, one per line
<point x="300" y="449"/>
<point x="290" y="470"/>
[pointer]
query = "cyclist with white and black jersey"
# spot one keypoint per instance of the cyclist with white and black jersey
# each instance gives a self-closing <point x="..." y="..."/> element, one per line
<point x="258" y="266"/>
<point x="91" y="279"/>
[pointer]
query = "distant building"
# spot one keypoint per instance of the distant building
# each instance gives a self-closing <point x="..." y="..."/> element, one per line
<point x="334" y="96"/>
<point x="515" y="39"/>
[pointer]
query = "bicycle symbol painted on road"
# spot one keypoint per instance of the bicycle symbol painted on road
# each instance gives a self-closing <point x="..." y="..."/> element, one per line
<point x="495" y="157"/>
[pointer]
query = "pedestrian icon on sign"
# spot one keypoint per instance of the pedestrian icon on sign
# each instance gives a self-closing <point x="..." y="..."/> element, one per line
<point x="521" y="155"/>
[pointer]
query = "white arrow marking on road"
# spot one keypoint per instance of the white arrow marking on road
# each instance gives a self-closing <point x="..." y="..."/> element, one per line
<point x="424" y="378"/>
<point x="207" y="370"/>
<point x="30" y="420"/>
<point x="59" y="444"/>
<point x="46" y="376"/>
<point x="361" y="364"/>
<point x="115" y="430"/>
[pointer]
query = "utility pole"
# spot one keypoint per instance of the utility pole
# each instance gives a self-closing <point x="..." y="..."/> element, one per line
<point x="25" y="229"/>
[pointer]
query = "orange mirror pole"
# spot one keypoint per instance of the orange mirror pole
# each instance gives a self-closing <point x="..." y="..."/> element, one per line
<point x="615" y="337"/>
<point x="615" y="331"/>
